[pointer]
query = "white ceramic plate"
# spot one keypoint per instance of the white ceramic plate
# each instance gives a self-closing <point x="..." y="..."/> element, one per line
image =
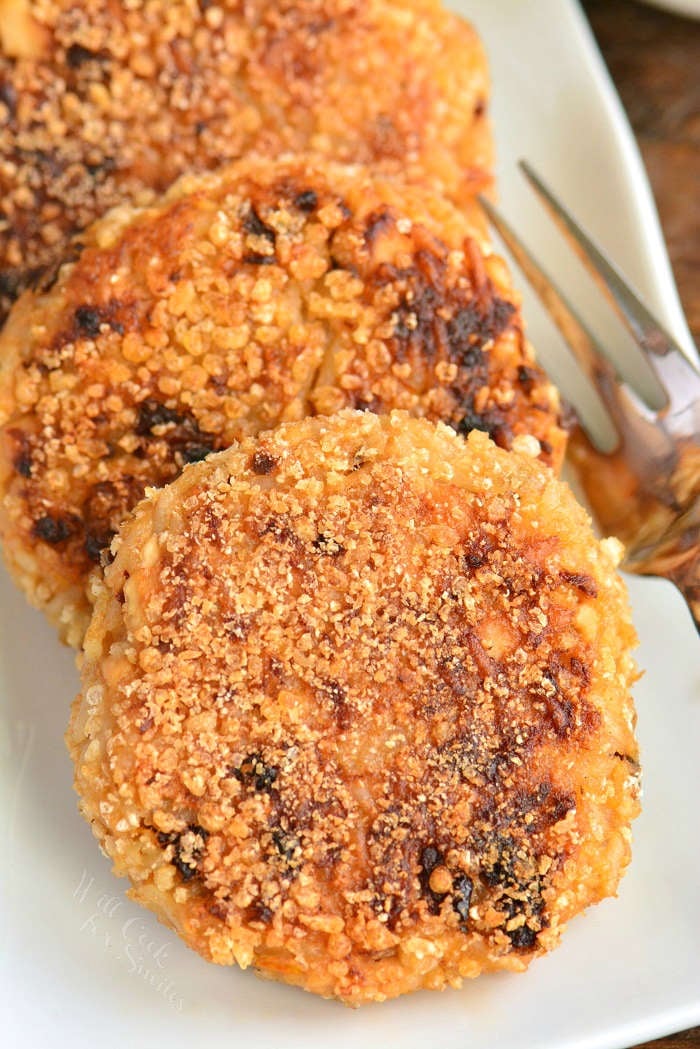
<point x="82" y="965"/>
<point x="690" y="8"/>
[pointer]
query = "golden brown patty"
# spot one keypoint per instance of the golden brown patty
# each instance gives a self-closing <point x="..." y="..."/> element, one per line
<point x="267" y="292"/>
<point x="356" y="707"/>
<point x="103" y="101"/>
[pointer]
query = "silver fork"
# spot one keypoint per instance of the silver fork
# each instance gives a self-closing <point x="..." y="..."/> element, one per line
<point x="647" y="490"/>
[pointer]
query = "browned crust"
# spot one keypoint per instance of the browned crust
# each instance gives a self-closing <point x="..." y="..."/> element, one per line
<point x="266" y="292"/>
<point x="356" y="707"/>
<point x="100" y="104"/>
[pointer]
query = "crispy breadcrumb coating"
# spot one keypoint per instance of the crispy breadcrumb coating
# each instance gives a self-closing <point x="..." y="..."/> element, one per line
<point x="264" y="293"/>
<point x="103" y="102"/>
<point x="355" y="707"/>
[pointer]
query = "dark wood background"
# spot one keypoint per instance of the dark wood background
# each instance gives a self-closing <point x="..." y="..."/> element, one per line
<point x="654" y="59"/>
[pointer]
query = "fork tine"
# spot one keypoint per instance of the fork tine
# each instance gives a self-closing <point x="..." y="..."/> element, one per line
<point x="626" y="410"/>
<point x="667" y="360"/>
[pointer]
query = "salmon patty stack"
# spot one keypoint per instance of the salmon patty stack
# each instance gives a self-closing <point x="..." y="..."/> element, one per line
<point x="103" y="102"/>
<point x="266" y="292"/>
<point x="356" y="707"/>
<point x="355" y="704"/>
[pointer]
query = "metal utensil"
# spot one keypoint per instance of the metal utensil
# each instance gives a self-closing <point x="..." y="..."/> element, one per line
<point x="646" y="491"/>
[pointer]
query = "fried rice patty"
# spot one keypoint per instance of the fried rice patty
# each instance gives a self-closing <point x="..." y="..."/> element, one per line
<point x="355" y="707"/>
<point x="272" y="290"/>
<point x="103" y="102"/>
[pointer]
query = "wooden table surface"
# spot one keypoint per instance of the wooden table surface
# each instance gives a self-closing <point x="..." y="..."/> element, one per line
<point x="654" y="59"/>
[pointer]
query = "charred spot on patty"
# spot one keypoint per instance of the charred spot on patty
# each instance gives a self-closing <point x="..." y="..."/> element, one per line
<point x="88" y="320"/>
<point x="10" y="282"/>
<point x="462" y="889"/>
<point x="22" y="457"/>
<point x="152" y="414"/>
<point x="306" y="201"/>
<point x="102" y="168"/>
<point x="287" y="848"/>
<point x="527" y="377"/>
<point x="188" y="847"/>
<point x="53" y="529"/>
<point x="376" y="223"/>
<point x="418" y="325"/>
<point x="257" y="911"/>
<point x="262" y="462"/>
<point x="255" y="774"/>
<point x="492" y="421"/>
<point x="96" y="544"/>
<point x="523" y="937"/>
<point x="254" y="258"/>
<point x="477" y="324"/>
<point x="178" y="428"/>
<point x="253" y="224"/>
<point x="102" y="512"/>
<point x="325" y="544"/>
<point x="429" y="858"/>
<point x="430" y="861"/>
<point x="77" y="55"/>
<point x="436" y="321"/>
<point x="581" y="581"/>
<point x="195" y="453"/>
<point x="8" y="97"/>
<point x="44" y="278"/>
<point x="509" y="867"/>
<point x="477" y="550"/>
